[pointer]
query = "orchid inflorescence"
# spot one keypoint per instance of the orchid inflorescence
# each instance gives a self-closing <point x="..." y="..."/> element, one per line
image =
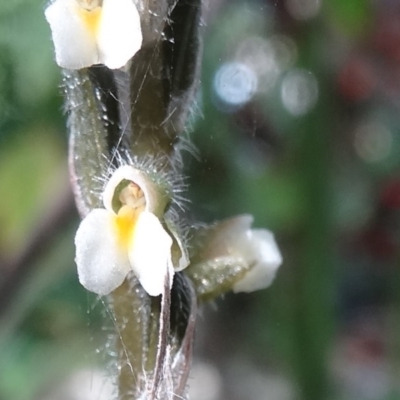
<point x="130" y="233"/>
<point x="133" y="244"/>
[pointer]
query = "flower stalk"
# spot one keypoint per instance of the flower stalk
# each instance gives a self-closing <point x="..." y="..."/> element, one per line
<point x="127" y="106"/>
<point x="124" y="117"/>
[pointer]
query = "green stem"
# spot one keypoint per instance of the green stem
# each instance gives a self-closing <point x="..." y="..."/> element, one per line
<point x="313" y="302"/>
<point x="136" y="320"/>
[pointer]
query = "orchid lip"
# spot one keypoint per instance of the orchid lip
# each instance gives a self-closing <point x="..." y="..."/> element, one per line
<point x="124" y="236"/>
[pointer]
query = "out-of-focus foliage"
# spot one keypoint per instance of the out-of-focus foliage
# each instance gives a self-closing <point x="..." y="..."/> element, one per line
<point x="44" y="327"/>
<point x="297" y="122"/>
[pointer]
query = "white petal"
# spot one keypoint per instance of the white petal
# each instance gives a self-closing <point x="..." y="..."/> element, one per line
<point x="261" y="250"/>
<point x="129" y="173"/>
<point x="120" y="35"/>
<point x="74" y="44"/>
<point x="150" y="254"/>
<point x="102" y="266"/>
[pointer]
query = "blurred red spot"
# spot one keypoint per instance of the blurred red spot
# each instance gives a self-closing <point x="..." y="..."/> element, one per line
<point x="365" y="350"/>
<point x="356" y="80"/>
<point x="390" y="196"/>
<point x="386" y="38"/>
<point x="379" y="243"/>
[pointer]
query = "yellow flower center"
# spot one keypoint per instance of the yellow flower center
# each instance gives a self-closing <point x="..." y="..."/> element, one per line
<point x="133" y="203"/>
<point x="90" y="12"/>
<point x="125" y="222"/>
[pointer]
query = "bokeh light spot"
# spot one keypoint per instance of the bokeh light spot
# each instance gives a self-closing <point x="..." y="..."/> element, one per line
<point x="373" y="141"/>
<point x="299" y="91"/>
<point x="303" y="9"/>
<point x="268" y="58"/>
<point x="235" y="83"/>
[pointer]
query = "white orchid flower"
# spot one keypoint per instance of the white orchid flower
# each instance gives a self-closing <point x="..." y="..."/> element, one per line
<point x="126" y="235"/>
<point x="88" y="32"/>
<point x="234" y="239"/>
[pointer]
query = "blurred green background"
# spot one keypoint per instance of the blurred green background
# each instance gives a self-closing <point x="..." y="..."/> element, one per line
<point x="297" y="121"/>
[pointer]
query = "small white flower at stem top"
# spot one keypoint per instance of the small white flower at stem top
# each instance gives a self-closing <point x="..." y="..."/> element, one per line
<point x="124" y="236"/>
<point x="88" y="32"/>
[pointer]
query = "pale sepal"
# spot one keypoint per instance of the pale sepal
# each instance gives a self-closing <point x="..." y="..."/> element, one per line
<point x="102" y="266"/>
<point x="150" y="254"/>
<point x="264" y="256"/>
<point x="119" y="35"/>
<point x="74" y="45"/>
<point x="222" y="238"/>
